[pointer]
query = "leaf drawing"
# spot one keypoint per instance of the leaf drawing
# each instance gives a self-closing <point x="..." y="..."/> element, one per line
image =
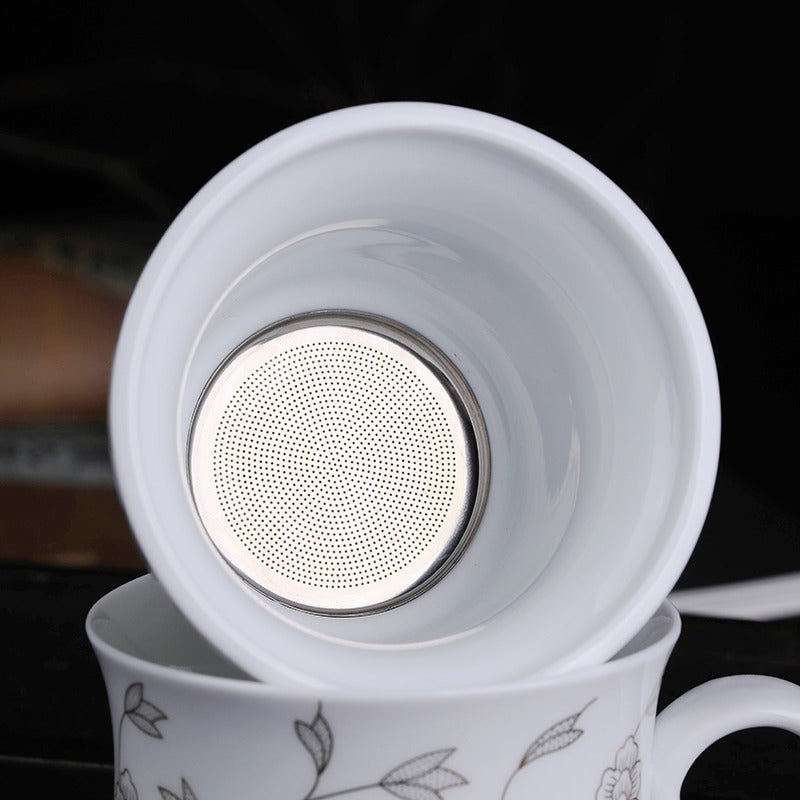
<point x="552" y="744"/>
<point x="423" y="777"/>
<point x="143" y="714"/>
<point x="186" y="791"/>
<point x="317" y="738"/>
<point x="133" y="696"/>
<point x="124" y="788"/>
<point x="556" y="737"/>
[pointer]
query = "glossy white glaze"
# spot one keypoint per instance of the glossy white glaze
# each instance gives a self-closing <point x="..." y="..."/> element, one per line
<point x="182" y="713"/>
<point x="696" y="720"/>
<point x="552" y="294"/>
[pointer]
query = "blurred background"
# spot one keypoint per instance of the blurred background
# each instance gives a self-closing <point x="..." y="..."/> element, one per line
<point x="113" y="115"/>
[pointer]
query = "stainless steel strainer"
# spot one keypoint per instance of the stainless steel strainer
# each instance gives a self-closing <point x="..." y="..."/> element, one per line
<point x="339" y="462"/>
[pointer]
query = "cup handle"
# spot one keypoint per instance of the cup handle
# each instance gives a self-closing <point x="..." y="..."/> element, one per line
<point x="701" y="716"/>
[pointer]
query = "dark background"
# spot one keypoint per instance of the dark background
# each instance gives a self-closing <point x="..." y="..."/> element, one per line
<point x="113" y="115"/>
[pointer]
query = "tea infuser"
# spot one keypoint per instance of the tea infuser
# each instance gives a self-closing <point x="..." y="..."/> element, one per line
<point x="339" y="463"/>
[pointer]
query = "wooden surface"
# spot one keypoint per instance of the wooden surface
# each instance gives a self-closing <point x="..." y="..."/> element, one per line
<point x="55" y="732"/>
<point x="75" y="526"/>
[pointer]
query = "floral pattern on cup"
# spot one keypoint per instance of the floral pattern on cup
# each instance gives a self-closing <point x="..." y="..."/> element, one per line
<point x="124" y="787"/>
<point x="553" y="739"/>
<point x="622" y="781"/>
<point x="423" y="777"/>
<point x="145" y="716"/>
<point x="186" y="792"/>
<point x="420" y="778"/>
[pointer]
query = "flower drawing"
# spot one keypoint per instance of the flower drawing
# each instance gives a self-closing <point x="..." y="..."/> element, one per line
<point x="317" y="738"/>
<point x="623" y="780"/>
<point x="124" y="788"/>
<point x="144" y="715"/>
<point x="186" y="792"/>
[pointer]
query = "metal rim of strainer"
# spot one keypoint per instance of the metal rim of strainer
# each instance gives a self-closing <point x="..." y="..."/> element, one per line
<point x="339" y="462"/>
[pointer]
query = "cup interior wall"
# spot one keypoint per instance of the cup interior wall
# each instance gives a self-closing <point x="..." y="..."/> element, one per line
<point x="542" y="304"/>
<point x="138" y="628"/>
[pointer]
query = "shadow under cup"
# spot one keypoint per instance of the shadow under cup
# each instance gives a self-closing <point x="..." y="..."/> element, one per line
<point x="190" y="724"/>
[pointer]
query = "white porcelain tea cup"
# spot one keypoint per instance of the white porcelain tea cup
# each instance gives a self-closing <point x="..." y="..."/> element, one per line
<point x="188" y="724"/>
<point x="539" y="282"/>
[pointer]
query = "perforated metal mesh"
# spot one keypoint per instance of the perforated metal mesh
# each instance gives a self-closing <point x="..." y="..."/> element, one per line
<point x="335" y="463"/>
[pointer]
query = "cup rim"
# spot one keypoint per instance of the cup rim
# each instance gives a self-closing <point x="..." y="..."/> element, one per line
<point x="654" y="651"/>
